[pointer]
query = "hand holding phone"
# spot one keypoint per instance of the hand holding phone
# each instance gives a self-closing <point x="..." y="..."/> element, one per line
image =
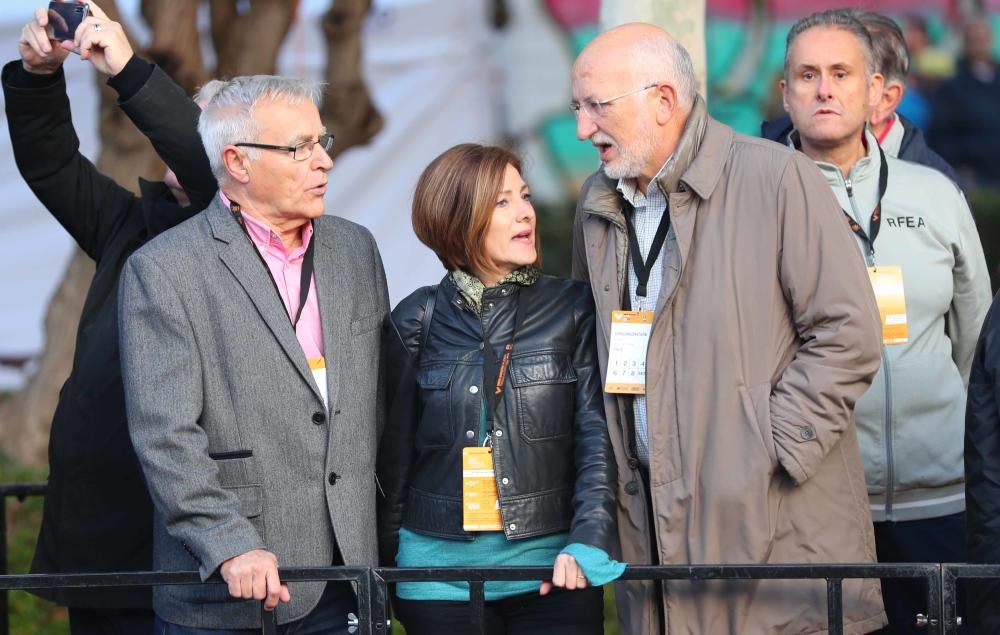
<point x="64" y="18"/>
<point x="40" y="54"/>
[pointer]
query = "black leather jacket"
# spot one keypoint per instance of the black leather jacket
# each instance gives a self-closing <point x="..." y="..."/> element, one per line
<point x="554" y="465"/>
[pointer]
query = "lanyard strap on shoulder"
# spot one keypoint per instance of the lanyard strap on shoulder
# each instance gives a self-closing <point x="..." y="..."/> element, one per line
<point x="876" y="220"/>
<point x="305" y="280"/>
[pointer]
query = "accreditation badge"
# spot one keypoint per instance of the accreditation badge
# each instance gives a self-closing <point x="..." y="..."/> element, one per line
<point x="480" y="500"/>
<point x="318" y="367"/>
<point x="630" y="331"/>
<point x="887" y="282"/>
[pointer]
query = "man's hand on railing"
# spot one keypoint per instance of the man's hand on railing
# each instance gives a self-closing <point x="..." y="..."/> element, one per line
<point x="254" y="574"/>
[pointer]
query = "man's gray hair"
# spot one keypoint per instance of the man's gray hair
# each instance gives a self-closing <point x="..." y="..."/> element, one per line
<point x="205" y="93"/>
<point x="228" y="116"/>
<point x="652" y="57"/>
<point x="842" y="19"/>
<point x="892" y="58"/>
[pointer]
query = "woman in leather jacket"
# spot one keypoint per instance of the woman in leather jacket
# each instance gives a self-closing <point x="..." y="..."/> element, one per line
<point x="496" y="363"/>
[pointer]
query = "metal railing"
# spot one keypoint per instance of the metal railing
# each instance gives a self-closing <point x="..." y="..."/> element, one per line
<point x="372" y="584"/>
<point x="20" y="491"/>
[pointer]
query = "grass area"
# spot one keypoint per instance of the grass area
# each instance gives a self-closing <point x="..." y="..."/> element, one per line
<point x="28" y="615"/>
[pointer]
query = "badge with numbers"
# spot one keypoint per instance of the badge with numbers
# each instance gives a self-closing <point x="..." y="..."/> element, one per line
<point x="887" y="282"/>
<point x="627" y="352"/>
<point x="480" y="500"/>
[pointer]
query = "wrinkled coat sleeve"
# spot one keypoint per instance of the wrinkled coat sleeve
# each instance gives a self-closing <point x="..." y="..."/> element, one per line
<point x="832" y="306"/>
<point x="971" y="289"/>
<point x="982" y="474"/>
<point x="163" y="112"/>
<point x="90" y="206"/>
<point x="162" y="373"/>
<point x="580" y="271"/>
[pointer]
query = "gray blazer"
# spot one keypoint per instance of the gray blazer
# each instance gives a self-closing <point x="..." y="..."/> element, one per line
<point x="237" y="448"/>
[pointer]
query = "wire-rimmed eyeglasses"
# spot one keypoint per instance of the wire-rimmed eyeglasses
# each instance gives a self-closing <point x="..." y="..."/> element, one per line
<point x="595" y="109"/>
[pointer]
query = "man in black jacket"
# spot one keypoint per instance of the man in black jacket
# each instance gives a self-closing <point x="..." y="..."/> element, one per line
<point x="982" y="475"/>
<point x="896" y="134"/>
<point x="97" y="513"/>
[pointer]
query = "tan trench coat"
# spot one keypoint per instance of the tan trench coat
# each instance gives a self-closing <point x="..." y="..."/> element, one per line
<point x="766" y="332"/>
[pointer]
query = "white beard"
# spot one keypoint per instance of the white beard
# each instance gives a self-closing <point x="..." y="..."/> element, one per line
<point x="630" y="160"/>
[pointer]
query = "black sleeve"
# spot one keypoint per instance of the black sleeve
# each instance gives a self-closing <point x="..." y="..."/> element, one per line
<point x="400" y="347"/>
<point x="594" y="491"/>
<point x="131" y="78"/>
<point x="89" y="205"/>
<point x="162" y="111"/>
<point x="982" y="474"/>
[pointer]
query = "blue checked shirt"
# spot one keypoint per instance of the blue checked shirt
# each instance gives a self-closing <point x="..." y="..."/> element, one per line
<point x="649" y="208"/>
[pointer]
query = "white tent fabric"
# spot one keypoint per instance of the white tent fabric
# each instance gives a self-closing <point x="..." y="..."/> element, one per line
<point x="429" y="64"/>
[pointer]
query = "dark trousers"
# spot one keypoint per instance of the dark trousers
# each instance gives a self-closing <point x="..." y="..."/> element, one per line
<point x="110" y="621"/>
<point x="558" y="613"/>
<point x="328" y="618"/>
<point x="931" y="540"/>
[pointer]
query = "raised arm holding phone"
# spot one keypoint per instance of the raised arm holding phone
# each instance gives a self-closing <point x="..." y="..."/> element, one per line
<point x="97" y="514"/>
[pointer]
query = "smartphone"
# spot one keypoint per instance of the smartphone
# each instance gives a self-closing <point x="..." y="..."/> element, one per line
<point x="64" y="18"/>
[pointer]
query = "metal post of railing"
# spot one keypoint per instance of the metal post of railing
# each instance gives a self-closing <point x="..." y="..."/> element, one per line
<point x="934" y="599"/>
<point x="477" y="604"/>
<point x="949" y="601"/>
<point x="20" y="491"/>
<point x="835" y="605"/>
<point x="4" y="607"/>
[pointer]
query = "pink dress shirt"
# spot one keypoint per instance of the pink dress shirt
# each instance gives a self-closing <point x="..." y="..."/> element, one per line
<point x="286" y="269"/>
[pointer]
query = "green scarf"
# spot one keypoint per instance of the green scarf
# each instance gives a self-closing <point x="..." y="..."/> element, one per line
<point x="472" y="287"/>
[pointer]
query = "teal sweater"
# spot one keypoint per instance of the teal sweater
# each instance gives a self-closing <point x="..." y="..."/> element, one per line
<point x="492" y="549"/>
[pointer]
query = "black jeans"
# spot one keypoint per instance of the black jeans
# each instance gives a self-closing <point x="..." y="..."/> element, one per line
<point x="560" y="612"/>
<point x="110" y="621"/>
<point x="932" y="540"/>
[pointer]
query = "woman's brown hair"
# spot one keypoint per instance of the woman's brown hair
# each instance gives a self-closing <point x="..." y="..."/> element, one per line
<point x="454" y="201"/>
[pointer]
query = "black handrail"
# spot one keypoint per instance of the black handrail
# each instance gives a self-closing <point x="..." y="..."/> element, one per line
<point x="372" y="584"/>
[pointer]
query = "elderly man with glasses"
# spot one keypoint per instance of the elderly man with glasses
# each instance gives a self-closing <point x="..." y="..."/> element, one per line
<point x="250" y="341"/>
<point x="721" y="267"/>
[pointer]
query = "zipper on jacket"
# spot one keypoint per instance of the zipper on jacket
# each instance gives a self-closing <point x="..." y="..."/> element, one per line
<point x="890" y="468"/>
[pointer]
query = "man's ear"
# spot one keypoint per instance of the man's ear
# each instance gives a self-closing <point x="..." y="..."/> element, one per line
<point x="876" y="86"/>
<point x="892" y="94"/>
<point x="237" y="164"/>
<point x="783" y="85"/>
<point x="666" y="103"/>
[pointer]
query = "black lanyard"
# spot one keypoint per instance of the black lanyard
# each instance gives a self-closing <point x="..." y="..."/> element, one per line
<point x="307" y="266"/>
<point x="494" y="371"/>
<point x="643" y="269"/>
<point x="876" y="220"/>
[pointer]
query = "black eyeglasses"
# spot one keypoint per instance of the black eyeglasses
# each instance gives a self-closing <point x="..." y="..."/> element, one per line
<point x="299" y="152"/>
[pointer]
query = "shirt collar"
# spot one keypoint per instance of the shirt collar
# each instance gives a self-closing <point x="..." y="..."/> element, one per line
<point x="266" y="239"/>
<point x="629" y="187"/>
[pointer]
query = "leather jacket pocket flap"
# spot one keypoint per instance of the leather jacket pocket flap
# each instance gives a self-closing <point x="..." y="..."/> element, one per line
<point x="548" y="368"/>
<point x="251" y="499"/>
<point x="435" y="377"/>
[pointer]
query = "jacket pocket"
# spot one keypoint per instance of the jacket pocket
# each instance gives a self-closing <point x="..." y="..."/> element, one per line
<point x="545" y="395"/>
<point x="928" y="422"/>
<point x="759" y="398"/>
<point x="435" y="428"/>
<point x="251" y="498"/>
<point x="365" y="324"/>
